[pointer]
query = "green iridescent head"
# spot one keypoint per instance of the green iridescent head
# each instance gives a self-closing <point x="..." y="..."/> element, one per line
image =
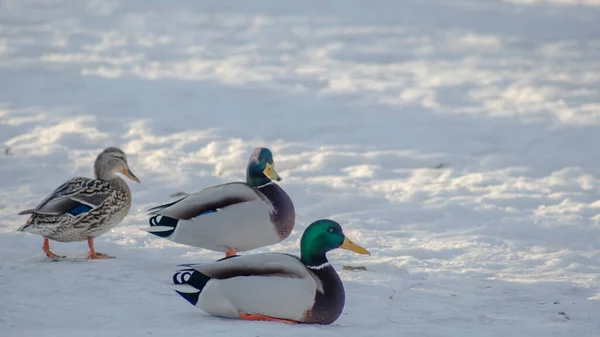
<point x="261" y="168"/>
<point x="322" y="236"/>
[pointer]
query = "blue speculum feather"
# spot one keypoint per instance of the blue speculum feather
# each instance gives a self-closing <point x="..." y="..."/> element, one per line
<point x="207" y="212"/>
<point x="79" y="209"/>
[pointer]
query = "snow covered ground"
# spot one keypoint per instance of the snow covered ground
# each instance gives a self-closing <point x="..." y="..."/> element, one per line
<point x="457" y="140"/>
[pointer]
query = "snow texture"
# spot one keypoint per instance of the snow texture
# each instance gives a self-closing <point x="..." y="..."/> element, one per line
<point x="455" y="139"/>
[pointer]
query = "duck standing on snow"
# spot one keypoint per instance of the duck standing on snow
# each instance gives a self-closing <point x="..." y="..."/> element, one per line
<point x="273" y="286"/>
<point x="230" y="217"/>
<point x="82" y="208"/>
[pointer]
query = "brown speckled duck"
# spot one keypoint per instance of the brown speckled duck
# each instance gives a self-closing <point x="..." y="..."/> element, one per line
<point x="82" y="208"/>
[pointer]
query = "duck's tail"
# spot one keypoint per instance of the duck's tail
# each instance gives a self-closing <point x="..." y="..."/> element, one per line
<point x="27" y="226"/>
<point x="27" y="211"/>
<point x="163" y="227"/>
<point x="189" y="284"/>
<point x="155" y="210"/>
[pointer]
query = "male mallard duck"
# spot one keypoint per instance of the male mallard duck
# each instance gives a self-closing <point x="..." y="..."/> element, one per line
<point x="84" y="208"/>
<point x="230" y="217"/>
<point x="273" y="286"/>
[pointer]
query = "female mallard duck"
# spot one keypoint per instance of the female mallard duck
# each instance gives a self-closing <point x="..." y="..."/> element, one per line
<point x="273" y="286"/>
<point x="82" y="208"/>
<point x="230" y="217"/>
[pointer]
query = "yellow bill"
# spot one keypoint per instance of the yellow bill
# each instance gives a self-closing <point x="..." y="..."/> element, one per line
<point x="130" y="175"/>
<point x="349" y="245"/>
<point x="269" y="171"/>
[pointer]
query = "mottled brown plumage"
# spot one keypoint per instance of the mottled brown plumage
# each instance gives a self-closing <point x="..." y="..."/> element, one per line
<point x="83" y="208"/>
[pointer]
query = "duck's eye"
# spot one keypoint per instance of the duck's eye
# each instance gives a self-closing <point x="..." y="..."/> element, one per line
<point x="331" y="230"/>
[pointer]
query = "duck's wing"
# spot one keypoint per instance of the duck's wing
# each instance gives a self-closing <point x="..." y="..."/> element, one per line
<point x="266" y="264"/>
<point x="76" y="196"/>
<point x="210" y="199"/>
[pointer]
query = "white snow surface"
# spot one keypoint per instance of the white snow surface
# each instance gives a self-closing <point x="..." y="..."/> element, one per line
<point x="457" y="140"/>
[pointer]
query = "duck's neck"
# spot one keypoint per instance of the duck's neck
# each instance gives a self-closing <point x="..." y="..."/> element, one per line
<point x="120" y="184"/>
<point x="330" y="298"/>
<point x="101" y="172"/>
<point x="257" y="181"/>
<point x="283" y="214"/>
<point x="312" y="250"/>
<point x="112" y="179"/>
<point x="314" y="261"/>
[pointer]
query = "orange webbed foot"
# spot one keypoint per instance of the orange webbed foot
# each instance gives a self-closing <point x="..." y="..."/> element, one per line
<point x="259" y="317"/>
<point x="98" y="256"/>
<point x="93" y="255"/>
<point x="54" y="256"/>
<point x="231" y="252"/>
<point x="49" y="253"/>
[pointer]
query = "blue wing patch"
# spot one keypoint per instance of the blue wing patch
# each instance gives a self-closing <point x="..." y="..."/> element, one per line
<point x="81" y="208"/>
<point x="206" y="212"/>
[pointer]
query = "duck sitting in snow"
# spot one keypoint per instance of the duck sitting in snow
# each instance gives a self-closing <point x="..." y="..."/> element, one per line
<point x="231" y="217"/>
<point x="82" y="208"/>
<point x="273" y="286"/>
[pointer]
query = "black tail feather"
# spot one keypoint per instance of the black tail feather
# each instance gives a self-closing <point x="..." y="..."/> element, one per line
<point x="195" y="280"/>
<point x="192" y="277"/>
<point x="164" y="227"/>
<point x="182" y="276"/>
<point x="190" y="297"/>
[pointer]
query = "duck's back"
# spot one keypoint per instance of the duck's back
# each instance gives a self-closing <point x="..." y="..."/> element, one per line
<point x="80" y="208"/>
